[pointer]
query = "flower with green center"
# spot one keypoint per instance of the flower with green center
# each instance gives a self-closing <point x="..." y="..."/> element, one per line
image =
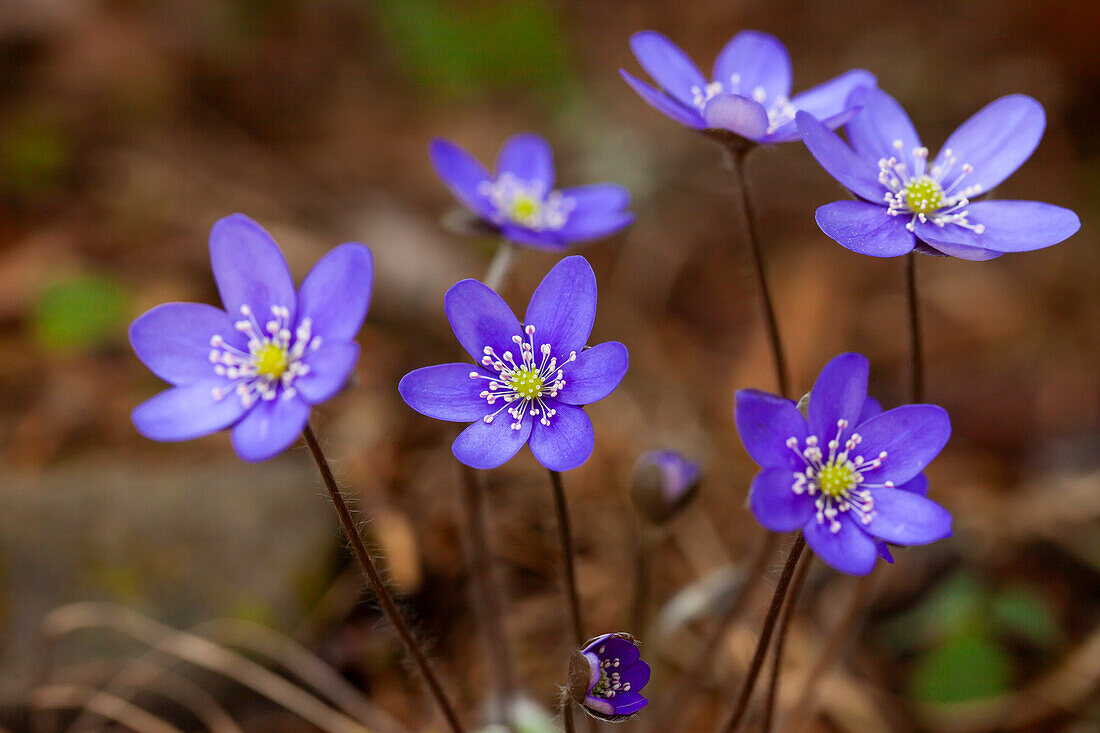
<point x="261" y="364"/>
<point x="539" y="374"/>
<point x="908" y="201"/>
<point x="607" y="675"/>
<point x="847" y="474"/>
<point x="519" y="200"/>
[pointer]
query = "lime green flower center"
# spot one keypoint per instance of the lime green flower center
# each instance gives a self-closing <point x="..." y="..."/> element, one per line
<point x="924" y="196"/>
<point x="271" y="361"/>
<point x="524" y="209"/>
<point x="527" y="383"/>
<point x="835" y="479"/>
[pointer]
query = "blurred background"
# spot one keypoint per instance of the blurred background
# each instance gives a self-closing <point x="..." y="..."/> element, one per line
<point x="128" y="128"/>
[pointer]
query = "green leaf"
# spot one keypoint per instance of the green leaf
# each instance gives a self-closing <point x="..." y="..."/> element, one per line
<point x="80" y="313"/>
<point x="964" y="668"/>
<point x="955" y="607"/>
<point x="465" y="52"/>
<point x="1021" y="612"/>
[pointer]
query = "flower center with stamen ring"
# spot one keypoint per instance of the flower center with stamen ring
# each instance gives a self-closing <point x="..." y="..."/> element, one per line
<point x="835" y="479"/>
<point x="271" y="361"/>
<point x="924" y="195"/>
<point x="527" y="383"/>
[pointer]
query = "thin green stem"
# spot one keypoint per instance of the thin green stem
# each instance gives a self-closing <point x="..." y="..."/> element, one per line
<point x="565" y="533"/>
<point x="741" y="706"/>
<point x="500" y="265"/>
<point x="781" y="637"/>
<point x="385" y="599"/>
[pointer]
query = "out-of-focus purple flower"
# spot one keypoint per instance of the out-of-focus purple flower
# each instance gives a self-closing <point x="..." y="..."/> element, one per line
<point x="530" y="381"/>
<point x="259" y="365"/>
<point x="907" y="202"/>
<point x="520" y="201"/>
<point x="664" y="483"/>
<point x="607" y="675"/>
<point x="749" y="94"/>
<point x="838" y="474"/>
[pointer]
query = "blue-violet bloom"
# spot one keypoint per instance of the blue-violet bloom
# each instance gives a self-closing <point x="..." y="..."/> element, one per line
<point x="529" y="381"/>
<point x="907" y="203"/>
<point x="849" y="478"/>
<point x="749" y="94"/>
<point x="259" y="365"/>
<point x="520" y="201"/>
<point x="607" y="675"/>
<point x="664" y="483"/>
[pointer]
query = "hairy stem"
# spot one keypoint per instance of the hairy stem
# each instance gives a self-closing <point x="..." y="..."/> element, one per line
<point x="565" y="706"/>
<point x="736" y="159"/>
<point x="644" y="541"/>
<point x="565" y="533"/>
<point x="385" y="599"/>
<point x="781" y="636"/>
<point x="742" y="704"/>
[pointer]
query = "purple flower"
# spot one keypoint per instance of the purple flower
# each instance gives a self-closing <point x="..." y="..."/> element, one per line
<point x="606" y="677"/>
<point x="838" y="474"/>
<point x="520" y="201"/>
<point x="908" y="203"/>
<point x="529" y="381"/>
<point x="259" y="365"/>
<point x="750" y="92"/>
<point x="664" y="483"/>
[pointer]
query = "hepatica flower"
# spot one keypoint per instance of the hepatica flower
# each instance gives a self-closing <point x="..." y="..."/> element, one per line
<point x="847" y="475"/>
<point x="749" y="94"/>
<point x="907" y="201"/>
<point x="606" y="677"/>
<point x="520" y="201"/>
<point x="259" y="365"/>
<point x="528" y="381"/>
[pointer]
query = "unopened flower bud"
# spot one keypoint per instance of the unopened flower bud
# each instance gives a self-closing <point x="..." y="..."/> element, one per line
<point x="664" y="483"/>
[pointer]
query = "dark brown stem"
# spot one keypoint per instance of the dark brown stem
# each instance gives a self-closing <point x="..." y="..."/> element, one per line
<point x="487" y="599"/>
<point x="742" y="705"/>
<point x="567" y="552"/>
<point x="736" y="160"/>
<point x="916" y="340"/>
<point x="389" y="606"/>
<point x="672" y="706"/>
<point x="780" y="638"/>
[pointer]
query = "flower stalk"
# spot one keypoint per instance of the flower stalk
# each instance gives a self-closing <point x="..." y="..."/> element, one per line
<point x="565" y="534"/>
<point x="916" y="340"/>
<point x="736" y="158"/>
<point x="741" y="706"/>
<point x="378" y="585"/>
<point x="781" y="637"/>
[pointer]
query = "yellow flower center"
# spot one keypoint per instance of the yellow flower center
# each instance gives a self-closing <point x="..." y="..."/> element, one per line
<point x="271" y="361"/>
<point x="527" y="383"/>
<point x="835" y="480"/>
<point x="524" y="209"/>
<point x="924" y="196"/>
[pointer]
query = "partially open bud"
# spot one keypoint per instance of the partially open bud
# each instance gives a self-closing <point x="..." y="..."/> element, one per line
<point x="664" y="483"/>
<point x="607" y="676"/>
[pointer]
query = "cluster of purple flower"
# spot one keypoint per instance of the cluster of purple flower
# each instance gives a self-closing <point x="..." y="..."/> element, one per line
<point x="847" y="474"/>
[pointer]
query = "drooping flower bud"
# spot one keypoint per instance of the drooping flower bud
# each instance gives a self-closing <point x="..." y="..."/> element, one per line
<point x="606" y="677"/>
<point x="664" y="483"/>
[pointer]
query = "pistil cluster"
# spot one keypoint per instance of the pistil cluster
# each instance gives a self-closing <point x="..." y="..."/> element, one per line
<point x="527" y="203"/>
<point x="836" y="480"/>
<point x="523" y="385"/>
<point x="610" y="683"/>
<point x="922" y="194"/>
<point x="273" y="359"/>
